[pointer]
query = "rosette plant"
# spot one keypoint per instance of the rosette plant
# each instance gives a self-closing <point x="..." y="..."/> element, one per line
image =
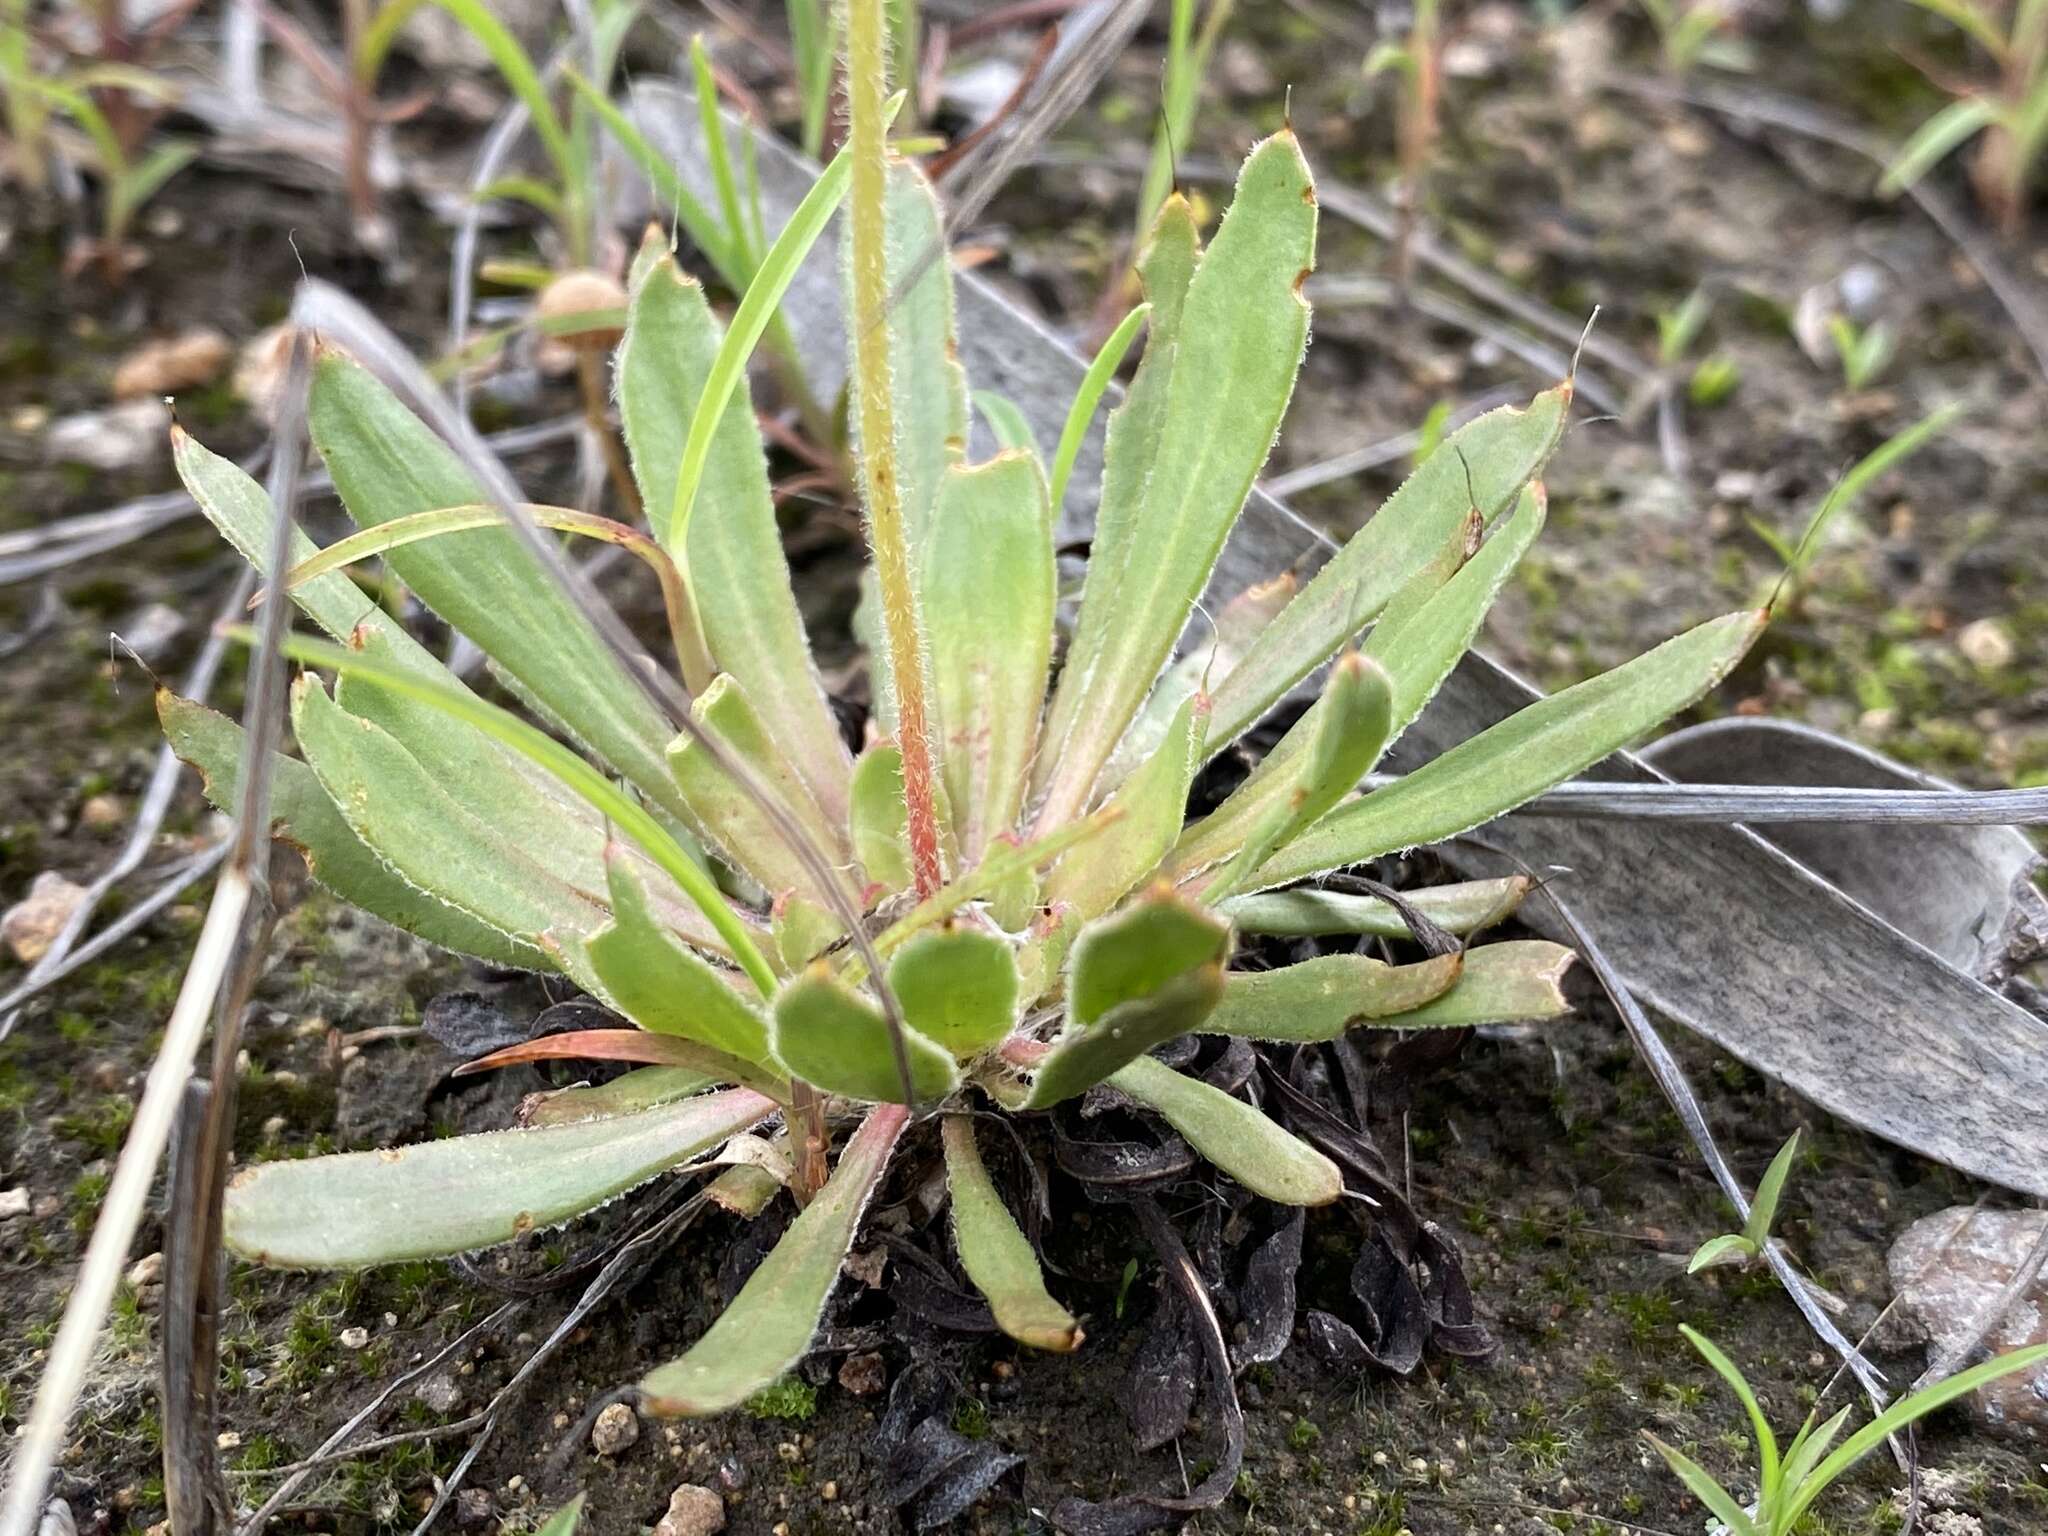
<point x="997" y="904"/>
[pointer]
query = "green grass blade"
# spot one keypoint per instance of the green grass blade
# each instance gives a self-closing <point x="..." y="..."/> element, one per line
<point x="1100" y="371"/>
<point x="523" y="79"/>
<point x="356" y="1209"/>
<point x="1898" y="1416"/>
<point x="764" y="293"/>
<point x="1719" y="1501"/>
<point x="1763" y="1211"/>
<point x="1728" y="1248"/>
<point x="1766" y="1442"/>
<point x="994" y="1251"/>
<point x="1524" y="755"/>
<point x="1935" y="140"/>
<point x="770" y="1323"/>
<point x="698" y="222"/>
<point x="718" y="151"/>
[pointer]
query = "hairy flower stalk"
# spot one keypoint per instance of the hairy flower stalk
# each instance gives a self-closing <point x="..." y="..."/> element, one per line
<point x="866" y="89"/>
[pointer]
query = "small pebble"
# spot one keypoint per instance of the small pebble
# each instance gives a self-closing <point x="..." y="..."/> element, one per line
<point x="355" y="1338"/>
<point x="32" y="924"/>
<point x="864" y="1375"/>
<point x="616" y="1428"/>
<point x="693" y="1510"/>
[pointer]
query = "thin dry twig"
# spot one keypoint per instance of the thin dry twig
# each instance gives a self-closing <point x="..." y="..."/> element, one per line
<point x="226" y="933"/>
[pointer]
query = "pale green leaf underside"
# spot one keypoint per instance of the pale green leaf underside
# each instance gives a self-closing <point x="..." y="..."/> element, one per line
<point x="417" y="828"/>
<point x="627" y="1094"/>
<point x="1319" y="999"/>
<point x="1236" y="348"/>
<point x="1233" y="1135"/>
<point x="1469" y="907"/>
<point x="770" y="1323"/>
<point x="994" y="1251"/>
<point x="302" y="813"/>
<point x="355" y="1209"/>
<point x="387" y="464"/>
<point x="988" y="586"/>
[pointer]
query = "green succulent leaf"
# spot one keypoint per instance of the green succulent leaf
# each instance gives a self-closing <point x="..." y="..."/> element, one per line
<point x="1340" y="738"/>
<point x="485" y="776"/>
<point x="997" y="1256"/>
<point x="1007" y="424"/>
<point x="1505" y="983"/>
<point x="957" y="987"/>
<point x="1101" y="370"/>
<point x="830" y="1035"/>
<point x="1500" y="452"/>
<point x="1234" y="352"/>
<point x="572" y="772"/>
<point x="1766" y="1442"/>
<point x="1148" y="808"/>
<point x="1524" y="755"/>
<point x="1139" y="978"/>
<point x="355" y="1209"/>
<point x="302" y="813"/>
<point x="627" y="1094"/>
<point x="389" y="464"/>
<point x="663" y="985"/>
<point x="1466" y="908"/>
<point x="738" y="576"/>
<point x="988" y="587"/>
<point x="1233" y="1135"/>
<point x="1418" y="641"/>
<point x="1320" y="999"/>
<point x="397" y="809"/>
<point x="769" y="1325"/>
<point x="732" y="818"/>
<point x="877" y="819"/>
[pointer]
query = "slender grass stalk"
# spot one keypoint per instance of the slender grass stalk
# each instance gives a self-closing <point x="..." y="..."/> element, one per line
<point x="866" y="89"/>
<point x="1093" y="383"/>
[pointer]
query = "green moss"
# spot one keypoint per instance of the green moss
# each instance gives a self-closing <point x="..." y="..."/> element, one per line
<point x="789" y="1400"/>
<point x="970" y="1418"/>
